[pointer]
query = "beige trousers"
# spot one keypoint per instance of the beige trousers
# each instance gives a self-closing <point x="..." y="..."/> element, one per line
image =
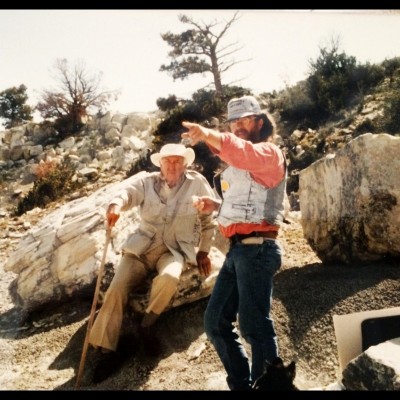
<point x="131" y="273"/>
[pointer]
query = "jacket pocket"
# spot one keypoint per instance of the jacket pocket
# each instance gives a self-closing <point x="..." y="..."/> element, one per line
<point x="137" y="243"/>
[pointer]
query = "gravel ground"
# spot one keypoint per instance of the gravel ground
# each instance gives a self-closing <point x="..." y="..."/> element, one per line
<point x="42" y="351"/>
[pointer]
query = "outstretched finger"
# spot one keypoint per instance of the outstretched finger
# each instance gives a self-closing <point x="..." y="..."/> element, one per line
<point x="188" y="125"/>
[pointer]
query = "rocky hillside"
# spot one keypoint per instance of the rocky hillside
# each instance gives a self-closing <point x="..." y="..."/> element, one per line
<point x="41" y="351"/>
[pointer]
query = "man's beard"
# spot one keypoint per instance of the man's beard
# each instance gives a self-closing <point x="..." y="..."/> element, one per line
<point x="252" y="136"/>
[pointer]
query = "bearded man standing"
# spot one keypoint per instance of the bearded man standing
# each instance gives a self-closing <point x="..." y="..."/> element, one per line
<point x="252" y="190"/>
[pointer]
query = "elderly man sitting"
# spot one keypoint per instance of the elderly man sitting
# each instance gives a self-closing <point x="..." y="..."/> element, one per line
<point x="163" y="242"/>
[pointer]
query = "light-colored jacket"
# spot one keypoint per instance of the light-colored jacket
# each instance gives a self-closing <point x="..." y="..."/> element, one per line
<point x="177" y="222"/>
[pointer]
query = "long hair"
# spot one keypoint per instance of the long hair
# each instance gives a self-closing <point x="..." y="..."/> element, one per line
<point x="269" y="126"/>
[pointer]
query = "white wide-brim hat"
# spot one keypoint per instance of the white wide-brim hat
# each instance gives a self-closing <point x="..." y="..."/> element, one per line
<point x="173" y="149"/>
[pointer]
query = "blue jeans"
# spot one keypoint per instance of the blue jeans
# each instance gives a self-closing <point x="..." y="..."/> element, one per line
<point x="244" y="288"/>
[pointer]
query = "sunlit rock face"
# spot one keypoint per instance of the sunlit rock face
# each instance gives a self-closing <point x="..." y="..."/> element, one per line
<point x="350" y="203"/>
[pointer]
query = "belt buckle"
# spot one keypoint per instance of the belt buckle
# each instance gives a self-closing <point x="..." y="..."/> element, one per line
<point x="253" y="240"/>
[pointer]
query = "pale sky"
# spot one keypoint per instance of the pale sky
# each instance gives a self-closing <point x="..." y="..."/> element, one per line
<point x="126" y="46"/>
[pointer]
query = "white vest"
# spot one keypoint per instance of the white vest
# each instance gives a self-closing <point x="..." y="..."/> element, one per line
<point x="246" y="201"/>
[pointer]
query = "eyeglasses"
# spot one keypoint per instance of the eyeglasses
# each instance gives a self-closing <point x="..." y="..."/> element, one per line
<point x="244" y="120"/>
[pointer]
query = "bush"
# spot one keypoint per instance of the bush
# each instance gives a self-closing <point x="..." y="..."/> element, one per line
<point x="296" y="106"/>
<point x="365" y="76"/>
<point x="336" y="79"/>
<point x="391" y="114"/>
<point x="365" y="127"/>
<point x="67" y="125"/>
<point x="13" y="107"/>
<point x="391" y="67"/>
<point x="167" y="104"/>
<point x="55" y="181"/>
<point x="204" y="105"/>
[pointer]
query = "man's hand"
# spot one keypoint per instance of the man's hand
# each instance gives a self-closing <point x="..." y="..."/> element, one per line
<point x="204" y="263"/>
<point x="112" y="215"/>
<point x="196" y="133"/>
<point x="206" y="204"/>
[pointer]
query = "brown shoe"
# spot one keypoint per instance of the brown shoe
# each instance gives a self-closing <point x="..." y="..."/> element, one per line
<point x="108" y="364"/>
<point x="111" y="362"/>
<point x="151" y="343"/>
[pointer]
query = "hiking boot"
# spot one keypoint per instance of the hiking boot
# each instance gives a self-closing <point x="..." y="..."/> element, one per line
<point x="111" y="362"/>
<point x="151" y="344"/>
<point x="108" y="364"/>
<point x="128" y="345"/>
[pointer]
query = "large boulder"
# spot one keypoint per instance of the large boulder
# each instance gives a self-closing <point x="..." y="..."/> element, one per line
<point x="350" y="203"/>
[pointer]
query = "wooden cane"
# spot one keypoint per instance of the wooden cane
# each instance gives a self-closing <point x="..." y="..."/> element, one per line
<point x="93" y="310"/>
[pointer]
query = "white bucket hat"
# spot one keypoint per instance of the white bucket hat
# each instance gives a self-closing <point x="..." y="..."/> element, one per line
<point x="173" y="149"/>
<point x="242" y="107"/>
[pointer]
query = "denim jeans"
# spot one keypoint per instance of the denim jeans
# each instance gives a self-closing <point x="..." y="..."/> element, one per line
<point x="243" y="289"/>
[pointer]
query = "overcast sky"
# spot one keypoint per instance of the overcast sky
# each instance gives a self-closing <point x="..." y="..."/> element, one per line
<point x="126" y="46"/>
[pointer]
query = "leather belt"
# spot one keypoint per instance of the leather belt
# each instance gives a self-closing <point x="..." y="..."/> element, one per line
<point x="253" y="237"/>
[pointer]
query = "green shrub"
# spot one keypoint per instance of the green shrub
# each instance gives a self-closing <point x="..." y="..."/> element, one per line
<point x="296" y="106"/>
<point x="365" y="76"/>
<point x="391" y="67"/>
<point x="204" y="105"/>
<point x="337" y="81"/>
<point x="167" y="104"/>
<point x="52" y="185"/>
<point x="366" y="126"/>
<point x="391" y="114"/>
<point x="67" y="125"/>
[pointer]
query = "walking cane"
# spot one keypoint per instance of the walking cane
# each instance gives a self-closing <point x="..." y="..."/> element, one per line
<point x="93" y="310"/>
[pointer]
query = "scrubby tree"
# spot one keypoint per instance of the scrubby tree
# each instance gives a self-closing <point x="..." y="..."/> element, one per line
<point x="391" y="66"/>
<point x="167" y="104"/>
<point x="390" y="120"/>
<point x="13" y="107"/>
<point x="205" y="108"/>
<point x="199" y="50"/>
<point x="330" y="78"/>
<point x="78" y="93"/>
<point x="337" y="80"/>
<point x="54" y="181"/>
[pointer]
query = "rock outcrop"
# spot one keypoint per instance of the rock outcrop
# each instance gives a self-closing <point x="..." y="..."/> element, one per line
<point x="350" y="202"/>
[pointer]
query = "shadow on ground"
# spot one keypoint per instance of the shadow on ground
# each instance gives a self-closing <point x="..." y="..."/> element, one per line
<point x="18" y="324"/>
<point x="320" y="290"/>
<point x="176" y="328"/>
<point x="305" y="299"/>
